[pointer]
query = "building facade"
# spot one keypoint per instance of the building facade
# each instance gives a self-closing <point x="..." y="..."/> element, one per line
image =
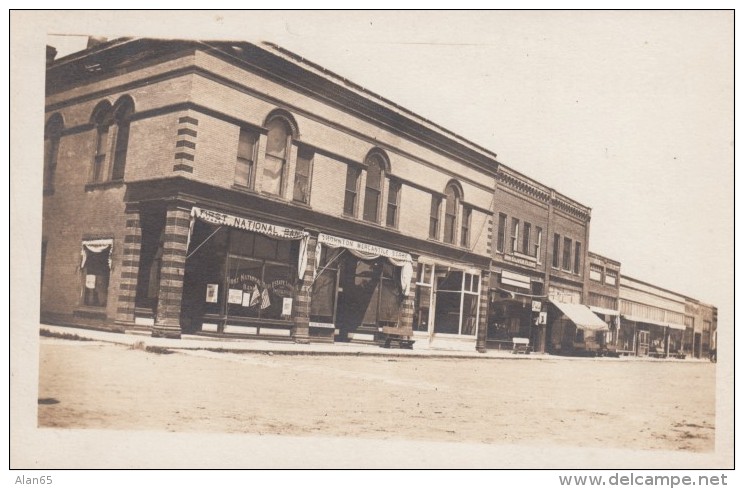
<point x="603" y="289"/>
<point x="233" y="189"/>
<point x="655" y="316"/>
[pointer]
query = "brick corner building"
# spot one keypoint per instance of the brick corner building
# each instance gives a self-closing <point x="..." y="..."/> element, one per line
<point x="234" y="189"/>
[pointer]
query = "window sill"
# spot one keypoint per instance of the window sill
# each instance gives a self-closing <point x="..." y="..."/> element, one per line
<point x="300" y="204"/>
<point x="103" y="185"/>
<point x="243" y="188"/>
<point x="90" y="312"/>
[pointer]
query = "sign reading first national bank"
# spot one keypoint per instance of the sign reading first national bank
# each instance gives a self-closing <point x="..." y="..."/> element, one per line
<point x="222" y="219"/>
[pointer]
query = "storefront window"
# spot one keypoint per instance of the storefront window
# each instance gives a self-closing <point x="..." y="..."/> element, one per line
<point x="258" y="283"/>
<point x="423" y="297"/>
<point x="449" y="295"/>
<point x="236" y="274"/>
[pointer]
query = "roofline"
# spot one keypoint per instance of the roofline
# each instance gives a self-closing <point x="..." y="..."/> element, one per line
<point x="683" y="296"/>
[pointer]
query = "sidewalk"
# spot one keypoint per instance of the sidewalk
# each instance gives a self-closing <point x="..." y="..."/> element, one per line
<point x="234" y="345"/>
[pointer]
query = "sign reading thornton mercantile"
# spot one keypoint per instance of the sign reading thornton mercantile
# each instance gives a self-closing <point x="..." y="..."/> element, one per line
<point x="336" y="242"/>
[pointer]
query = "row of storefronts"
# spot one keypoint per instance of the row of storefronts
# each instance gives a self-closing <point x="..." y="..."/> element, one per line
<point x="244" y="192"/>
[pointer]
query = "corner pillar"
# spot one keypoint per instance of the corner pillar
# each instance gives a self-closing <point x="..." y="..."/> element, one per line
<point x="129" y="269"/>
<point x="168" y="317"/>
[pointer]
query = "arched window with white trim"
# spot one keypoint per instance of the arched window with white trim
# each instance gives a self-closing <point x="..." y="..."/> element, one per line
<point x="373" y="188"/>
<point x="453" y="196"/>
<point x="279" y="138"/>
<point x="122" y="114"/>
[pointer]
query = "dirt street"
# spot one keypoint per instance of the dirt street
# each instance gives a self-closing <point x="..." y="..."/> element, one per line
<point x="578" y="402"/>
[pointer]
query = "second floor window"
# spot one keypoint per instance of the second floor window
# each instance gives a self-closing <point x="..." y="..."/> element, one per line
<point x="102" y="120"/>
<point x="577" y="258"/>
<point x="526" y="232"/>
<point x="452" y="197"/>
<point x="501" y="234"/>
<point x="567" y="254"/>
<point x="122" y="114"/>
<point x="515" y="235"/>
<point x="373" y="189"/>
<point x="352" y="190"/>
<point x="393" y="202"/>
<point x="52" y="134"/>
<point x="303" y="171"/>
<point x="556" y="250"/>
<point x="538" y="243"/>
<point x="467" y="213"/>
<point x="436" y="204"/>
<point x="277" y="147"/>
<point x="246" y="161"/>
<point x="595" y="273"/>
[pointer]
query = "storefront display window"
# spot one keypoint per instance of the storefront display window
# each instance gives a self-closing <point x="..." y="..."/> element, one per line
<point x="234" y="274"/>
<point x="456" y="296"/>
<point x="423" y="297"/>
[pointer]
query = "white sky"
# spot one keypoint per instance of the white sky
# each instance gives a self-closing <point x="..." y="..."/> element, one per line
<point x="630" y="113"/>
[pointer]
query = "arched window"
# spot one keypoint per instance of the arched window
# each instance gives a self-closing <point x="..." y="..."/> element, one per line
<point x="102" y="118"/>
<point x="122" y="115"/>
<point x="452" y="197"/>
<point x="373" y="189"/>
<point x="52" y="135"/>
<point x="277" y="146"/>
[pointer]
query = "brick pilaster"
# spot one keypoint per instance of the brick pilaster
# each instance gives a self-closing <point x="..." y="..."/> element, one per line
<point x="168" y="318"/>
<point x="480" y="341"/>
<point x="129" y="270"/>
<point x="405" y="325"/>
<point x="301" y="328"/>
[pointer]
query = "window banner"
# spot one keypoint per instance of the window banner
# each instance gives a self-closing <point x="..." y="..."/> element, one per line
<point x="365" y="251"/>
<point x="302" y="261"/>
<point x="406" y="272"/>
<point x="96" y="246"/>
<point x="271" y="230"/>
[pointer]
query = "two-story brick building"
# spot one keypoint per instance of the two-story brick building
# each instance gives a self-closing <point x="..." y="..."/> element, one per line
<point x="540" y="243"/>
<point x="234" y="189"/>
<point x="230" y="188"/>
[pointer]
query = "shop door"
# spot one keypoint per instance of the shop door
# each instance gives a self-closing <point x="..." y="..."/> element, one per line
<point x="697" y="348"/>
<point x="643" y="343"/>
<point x="358" y="296"/>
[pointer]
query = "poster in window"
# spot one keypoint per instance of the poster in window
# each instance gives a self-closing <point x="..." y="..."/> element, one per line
<point x="90" y="281"/>
<point x="249" y="298"/>
<point x="212" y="290"/>
<point x="234" y="296"/>
<point x="287" y="306"/>
<point x="536" y="306"/>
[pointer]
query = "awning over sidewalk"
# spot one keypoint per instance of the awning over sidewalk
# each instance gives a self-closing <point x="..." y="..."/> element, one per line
<point x="602" y="310"/>
<point x="582" y="316"/>
<point x="654" y="322"/>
